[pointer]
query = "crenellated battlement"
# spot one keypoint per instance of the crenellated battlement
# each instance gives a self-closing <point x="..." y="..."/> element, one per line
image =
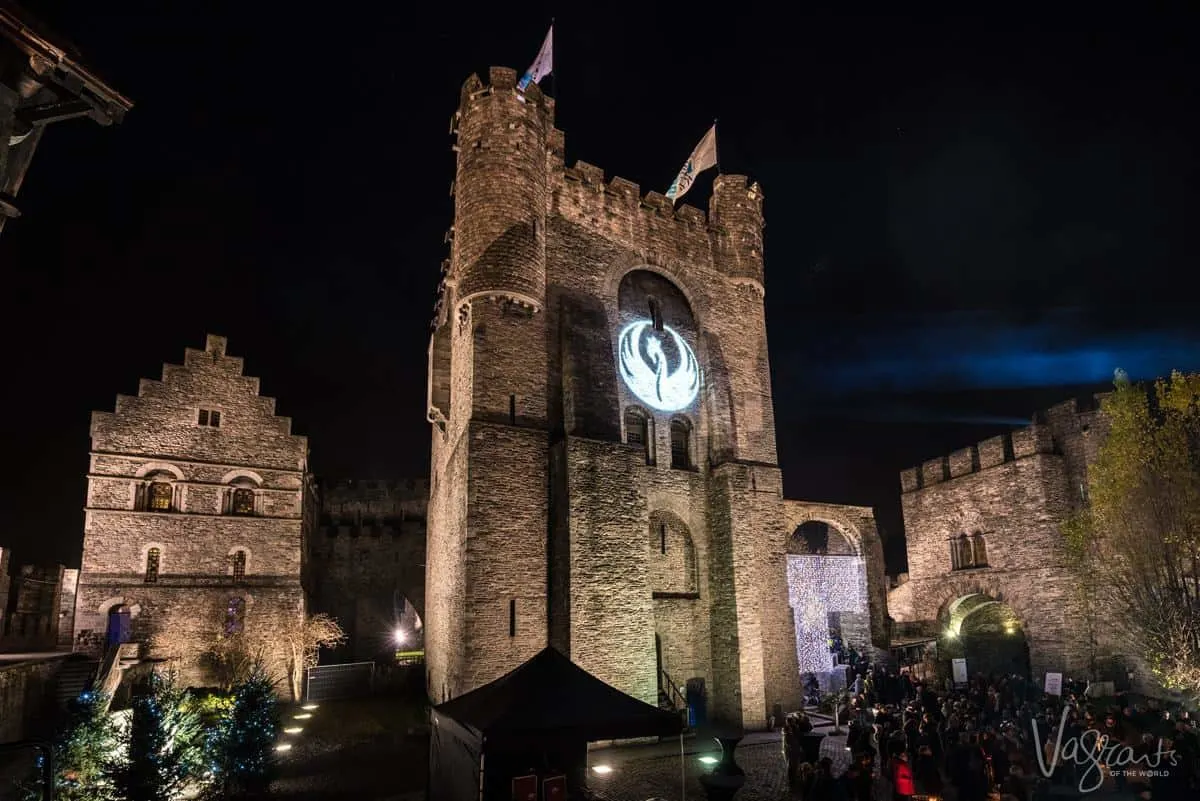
<point x="510" y="162"/>
<point x="1041" y="437"/>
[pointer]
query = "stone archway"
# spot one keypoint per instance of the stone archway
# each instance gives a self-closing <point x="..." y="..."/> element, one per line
<point x="827" y="593"/>
<point x="985" y="631"/>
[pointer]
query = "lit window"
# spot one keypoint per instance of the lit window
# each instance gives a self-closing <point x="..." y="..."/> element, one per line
<point x="235" y="616"/>
<point x="152" y="559"/>
<point x="160" y="496"/>
<point x="243" y="501"/>
<point x="680" y="434"/>
<point x="210" y="418"/>
<point x="239" y="565"/>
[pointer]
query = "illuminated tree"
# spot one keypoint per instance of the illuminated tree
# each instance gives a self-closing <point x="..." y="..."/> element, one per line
<point x="241" y="751"/>
<point x="1138" y="541"/>
<point x="305" y="638"/>
<point x="82" y="750"/>
<point x="163" y="746"/>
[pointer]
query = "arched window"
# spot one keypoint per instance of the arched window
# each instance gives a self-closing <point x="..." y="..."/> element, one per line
<point x="243" y="501"/>
<point x="966" y="554"/>
<point x="153" y="557"/>
<point x="639" y="431"/>
<point x="680" y="441"/>
<point x="235" y="616"/>
<point x="160" y="496"/>
<point x="979" y="546"/>
<point x="238" y="563"/>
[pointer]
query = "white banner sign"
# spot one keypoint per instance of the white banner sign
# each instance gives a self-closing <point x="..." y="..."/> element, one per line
<point x="1054" y="684"/>
<point x="960" y="670"/>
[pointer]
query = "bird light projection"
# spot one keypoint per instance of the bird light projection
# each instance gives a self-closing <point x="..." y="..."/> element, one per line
<point x="666" y="383"/>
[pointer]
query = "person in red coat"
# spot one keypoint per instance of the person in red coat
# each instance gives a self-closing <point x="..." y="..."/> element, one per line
<point x="902" y="778"/>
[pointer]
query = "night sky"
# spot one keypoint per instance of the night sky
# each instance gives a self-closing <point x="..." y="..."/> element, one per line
<point x="967" y="219"/>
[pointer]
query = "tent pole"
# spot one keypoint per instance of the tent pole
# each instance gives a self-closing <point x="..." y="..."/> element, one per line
<point x="682" y="771"/>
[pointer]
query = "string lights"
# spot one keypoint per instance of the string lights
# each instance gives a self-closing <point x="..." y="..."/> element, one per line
<point x="817" y="586"/>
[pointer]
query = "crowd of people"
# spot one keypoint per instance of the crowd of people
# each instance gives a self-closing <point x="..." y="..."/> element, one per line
<point x="994" y="737"/>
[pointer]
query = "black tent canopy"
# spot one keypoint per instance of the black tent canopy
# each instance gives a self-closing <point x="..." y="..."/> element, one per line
<point x="547" y="709"/>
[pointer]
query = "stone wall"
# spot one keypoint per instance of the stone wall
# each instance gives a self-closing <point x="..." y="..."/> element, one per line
<point x="27" y="698"/>
<point x="66" y="609"/>
<point x="1013" y="491"/>
<point x="34" y="618"/>
<point x="366" y="558"/>
<point x="5" y="586"/>
<point x="540" y="504"/>
<point x="230" y="522"/>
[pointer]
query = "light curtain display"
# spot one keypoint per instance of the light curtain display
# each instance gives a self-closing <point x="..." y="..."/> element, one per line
<point x="818" y="585"/>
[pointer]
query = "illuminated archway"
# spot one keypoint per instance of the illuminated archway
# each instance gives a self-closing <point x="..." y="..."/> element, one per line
<point x="986" y="632"/>
<point x="827" y="592"/>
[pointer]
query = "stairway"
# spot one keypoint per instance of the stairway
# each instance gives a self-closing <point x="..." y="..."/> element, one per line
<point x="75" y="676"/>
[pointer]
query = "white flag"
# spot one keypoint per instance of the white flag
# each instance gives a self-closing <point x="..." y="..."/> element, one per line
<point x="543" y="65"/>
<point x="703" y="157"/>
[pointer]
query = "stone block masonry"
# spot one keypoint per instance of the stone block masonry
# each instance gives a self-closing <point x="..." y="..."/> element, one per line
<point x="199" y="506"/>
<point x="647" y="541"/>
<point x="1009" y="496"/>
<point x="366" y="559"/>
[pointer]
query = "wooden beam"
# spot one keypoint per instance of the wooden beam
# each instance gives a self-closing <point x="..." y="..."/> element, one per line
<point x="47" y="113"/>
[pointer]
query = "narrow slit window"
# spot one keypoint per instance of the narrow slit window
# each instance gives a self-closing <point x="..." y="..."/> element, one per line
<point x="662" y="537"/>
<point x="512" y="618"/>
<point x="656" y="314"/>
<point x="512" y="409"/>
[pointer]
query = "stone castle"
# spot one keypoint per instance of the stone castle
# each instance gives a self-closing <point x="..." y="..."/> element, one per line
<point x="604" y="476"/>
<point x="984" y="543"/>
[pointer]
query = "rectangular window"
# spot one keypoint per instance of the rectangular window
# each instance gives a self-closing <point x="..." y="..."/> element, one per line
<point x="210" y="418"/>
<point x="512" y="618"/>
<point x="512" y="410"/>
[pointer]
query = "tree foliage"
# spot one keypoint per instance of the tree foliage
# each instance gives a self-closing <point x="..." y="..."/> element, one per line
<point x="1138" y="539"/>
<point x="83" y="747"/>
<point x="241" y="750"/>
<point x="230" y="658"/>
<point x="305" y="639"/>
<point x="163" y="746"/>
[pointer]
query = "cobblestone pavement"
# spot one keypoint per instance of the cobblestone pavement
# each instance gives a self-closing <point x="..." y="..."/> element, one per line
<point x="634" y="779"/>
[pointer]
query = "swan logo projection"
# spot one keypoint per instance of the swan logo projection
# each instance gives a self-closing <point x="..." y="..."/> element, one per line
<point x="665" y="382"/>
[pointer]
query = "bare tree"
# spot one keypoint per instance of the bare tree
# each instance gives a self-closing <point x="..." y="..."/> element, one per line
<point x="1138" y="541"/>
<point x="305" y="639"/>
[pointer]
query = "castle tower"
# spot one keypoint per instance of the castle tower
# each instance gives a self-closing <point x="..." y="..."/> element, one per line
<point x="603" y="468"/>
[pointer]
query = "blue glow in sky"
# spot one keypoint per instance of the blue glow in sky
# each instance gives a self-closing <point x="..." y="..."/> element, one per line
<point x="951" y="358"/>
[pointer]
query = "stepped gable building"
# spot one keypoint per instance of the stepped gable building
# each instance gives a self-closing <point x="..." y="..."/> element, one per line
<point x="42" y="81"/>
<point x="366" y="563"/>
<point x="198" y="507"/>
<point x="604" y="476"/>
<point x="985" y="548"/>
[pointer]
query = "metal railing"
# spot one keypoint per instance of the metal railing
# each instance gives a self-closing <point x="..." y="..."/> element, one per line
<point x="326" y="682"/>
